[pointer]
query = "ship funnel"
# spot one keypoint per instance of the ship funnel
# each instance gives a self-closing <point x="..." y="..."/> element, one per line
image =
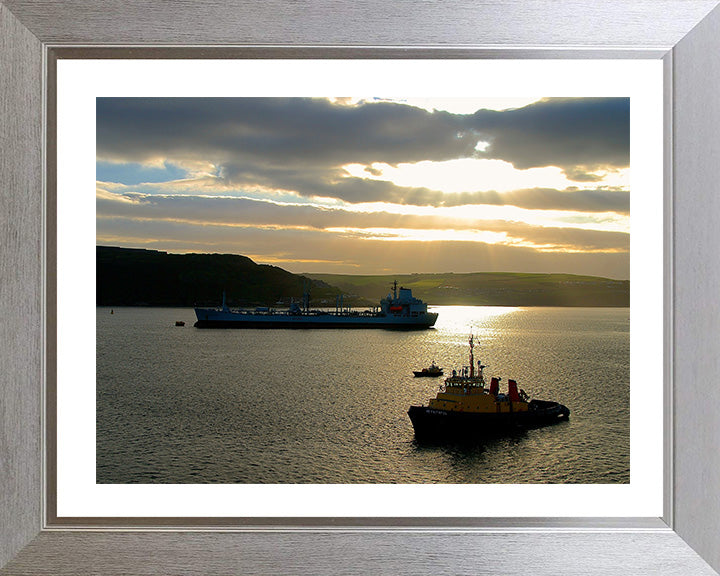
<point x="513" y="391"/>
<point x="494" y="386"/>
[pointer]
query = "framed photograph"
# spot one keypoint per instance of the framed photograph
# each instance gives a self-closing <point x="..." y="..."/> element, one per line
<point x="316" y="387"/>
<point x="626" y="124"/>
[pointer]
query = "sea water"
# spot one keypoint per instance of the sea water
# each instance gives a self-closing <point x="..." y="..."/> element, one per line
<point x="186" y="405"/>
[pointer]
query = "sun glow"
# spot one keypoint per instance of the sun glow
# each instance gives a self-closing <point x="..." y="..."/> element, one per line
<point x="416" y="235"/>
<point x="602" y="221"/>
<point x="474" y="174"/>
<point x="258" y="184"/>
<point x="474" y="236"/>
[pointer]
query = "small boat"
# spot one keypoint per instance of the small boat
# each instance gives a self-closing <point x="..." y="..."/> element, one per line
<point x="179" y="323"/>
<point x="466" y="410"/>
<point x="433" y="370"/>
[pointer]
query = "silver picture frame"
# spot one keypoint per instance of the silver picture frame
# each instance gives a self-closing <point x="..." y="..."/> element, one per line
<point x="684" y="34"/>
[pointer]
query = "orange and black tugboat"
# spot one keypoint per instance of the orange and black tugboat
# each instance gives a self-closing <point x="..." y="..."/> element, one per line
<point x="465" y="409"/>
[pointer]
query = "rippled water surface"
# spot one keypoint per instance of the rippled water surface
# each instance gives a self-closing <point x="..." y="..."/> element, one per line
<point x="184" y="405"/>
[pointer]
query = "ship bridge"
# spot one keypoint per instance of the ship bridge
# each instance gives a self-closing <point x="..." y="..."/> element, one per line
<point x="402" y="303"/>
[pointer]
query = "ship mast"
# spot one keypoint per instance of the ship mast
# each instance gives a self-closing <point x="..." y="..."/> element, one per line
<point x="306" y="295"/>
<point x="472" y="360"/>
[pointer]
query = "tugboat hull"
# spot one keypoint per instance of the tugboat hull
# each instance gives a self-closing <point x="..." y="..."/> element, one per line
<point x="440" y="425"/>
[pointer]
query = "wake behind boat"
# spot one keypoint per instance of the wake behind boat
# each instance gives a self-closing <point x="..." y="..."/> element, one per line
<point x="398" y="310"/>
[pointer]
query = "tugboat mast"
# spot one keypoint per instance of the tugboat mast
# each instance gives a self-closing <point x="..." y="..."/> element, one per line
<point x="472" y="360"/>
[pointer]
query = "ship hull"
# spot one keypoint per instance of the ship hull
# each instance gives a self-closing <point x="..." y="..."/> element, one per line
<point x="445" y="425"/>
<point x="210" y="318"/>
<point x="398" y="311"/>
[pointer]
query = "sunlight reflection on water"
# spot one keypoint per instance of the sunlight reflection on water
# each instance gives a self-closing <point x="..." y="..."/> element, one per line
<point x="179" y="404"/>
<point x="467" y="319"/>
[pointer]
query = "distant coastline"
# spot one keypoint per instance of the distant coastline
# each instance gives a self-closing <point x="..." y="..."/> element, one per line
<point x="493" y="288"/>
<point x="138" y="277"/>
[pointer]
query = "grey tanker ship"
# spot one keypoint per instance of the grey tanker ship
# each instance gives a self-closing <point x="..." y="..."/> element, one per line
<point x="399" y="310"/>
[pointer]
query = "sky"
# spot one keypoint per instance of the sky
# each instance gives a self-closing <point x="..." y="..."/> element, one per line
<point x="371" y="185"/>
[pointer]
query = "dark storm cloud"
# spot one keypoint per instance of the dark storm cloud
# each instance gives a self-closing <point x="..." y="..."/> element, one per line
<point x="576" y="134"/>
<point x="276" y="131"/>
<point x="302" y="143"/>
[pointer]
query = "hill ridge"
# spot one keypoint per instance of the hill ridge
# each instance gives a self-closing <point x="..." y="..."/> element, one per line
<point x="142" y="277"/>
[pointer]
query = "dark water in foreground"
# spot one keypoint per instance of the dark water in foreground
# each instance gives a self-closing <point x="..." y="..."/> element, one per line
<point x="183" y="405"/>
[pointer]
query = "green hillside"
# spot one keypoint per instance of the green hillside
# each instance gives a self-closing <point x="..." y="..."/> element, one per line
<point x="491" y="289"/>
<point x="132" y="277"/>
